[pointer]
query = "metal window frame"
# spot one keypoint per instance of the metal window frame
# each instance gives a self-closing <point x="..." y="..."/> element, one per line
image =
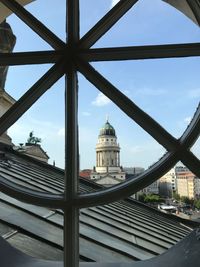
<point x="69" y="58"/>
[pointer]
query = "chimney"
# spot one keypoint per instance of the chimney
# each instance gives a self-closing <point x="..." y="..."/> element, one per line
<point x="7" y="43"/>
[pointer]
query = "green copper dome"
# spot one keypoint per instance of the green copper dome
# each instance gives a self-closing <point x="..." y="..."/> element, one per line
<point x="107" y="129"/>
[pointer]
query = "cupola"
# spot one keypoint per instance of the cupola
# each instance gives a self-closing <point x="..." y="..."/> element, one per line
<point x="107" y="129"/>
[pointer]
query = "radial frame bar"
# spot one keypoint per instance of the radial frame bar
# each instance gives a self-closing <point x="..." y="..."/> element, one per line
<point x="103" y="25"/>
<point x="71" y="213"/>
<point x="29" y="58"/>
<point x="130" y="109"/>
<point x="141" y="52"/>
<point x="31" y="96"/>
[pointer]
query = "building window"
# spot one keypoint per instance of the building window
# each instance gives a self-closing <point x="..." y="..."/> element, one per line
<point x="83" y="55"/>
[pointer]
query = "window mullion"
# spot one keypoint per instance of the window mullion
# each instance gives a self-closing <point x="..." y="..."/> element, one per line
<point x="71" y="216"/>
<point x="71" y="213"/>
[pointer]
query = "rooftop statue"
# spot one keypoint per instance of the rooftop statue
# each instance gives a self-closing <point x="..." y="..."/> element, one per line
<point x="7" y="43"/>
<point x="33" y="140"/>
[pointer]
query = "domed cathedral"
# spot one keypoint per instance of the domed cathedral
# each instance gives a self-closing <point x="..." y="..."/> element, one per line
<point x="108" y="170"/>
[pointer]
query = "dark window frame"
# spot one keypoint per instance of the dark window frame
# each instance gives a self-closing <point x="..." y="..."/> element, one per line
<point x="68" y="59"/>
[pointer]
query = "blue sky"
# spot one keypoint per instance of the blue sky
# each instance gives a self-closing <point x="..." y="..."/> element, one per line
<point x="168" y="90"/>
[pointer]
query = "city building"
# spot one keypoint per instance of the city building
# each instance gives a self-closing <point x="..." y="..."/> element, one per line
<point x="151" y="189"/>
<point x="167" y="184"/>
<point x="180" y="180"/>
<point x="32" y="150"/>
<point x="85" y="173"/>
<point x="108" y="170"/>
<point x="133" y="171"/>
<point x="187" y="184"/>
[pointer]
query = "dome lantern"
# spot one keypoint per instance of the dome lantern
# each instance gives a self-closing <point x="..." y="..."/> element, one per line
<point x="107" y="129"/>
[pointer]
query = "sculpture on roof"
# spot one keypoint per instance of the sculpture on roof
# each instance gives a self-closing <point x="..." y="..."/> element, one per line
<point x="33" y="140"/>
<point x="7" y="43"/>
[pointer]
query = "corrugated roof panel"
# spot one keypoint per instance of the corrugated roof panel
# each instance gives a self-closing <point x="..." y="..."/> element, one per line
<point x="124" y="235"/>
<point x="35" y="248"/>
<point x="122" y="231"/>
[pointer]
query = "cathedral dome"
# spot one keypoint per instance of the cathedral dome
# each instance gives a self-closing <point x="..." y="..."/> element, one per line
<point x="107" y="129"/>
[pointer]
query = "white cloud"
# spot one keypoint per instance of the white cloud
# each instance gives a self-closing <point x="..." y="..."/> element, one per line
<point x="113" y="3"/>
<point x="101" y="100"/>
<point x="194" y="93"/>
<point x="86" y="114"/>
<point x="187" y="120"/>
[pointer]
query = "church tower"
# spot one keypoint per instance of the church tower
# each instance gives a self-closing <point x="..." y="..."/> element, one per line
<point x="107" y="150"/>
<point x="7" y="43"/>
<point x="108" y="170"/>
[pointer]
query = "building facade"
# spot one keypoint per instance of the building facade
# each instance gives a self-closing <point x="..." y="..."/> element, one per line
<point x="108" y="170"/>
<point x="133" y="170"/>
<point x="168" y="184"/>
<point x="151" y="189"/>
<point x="188" y="184"/>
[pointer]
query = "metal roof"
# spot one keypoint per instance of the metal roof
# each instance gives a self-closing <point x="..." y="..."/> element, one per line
<point x="124" y="231"/>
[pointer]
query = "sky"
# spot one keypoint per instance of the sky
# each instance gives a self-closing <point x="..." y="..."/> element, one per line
<point x="167" y="89"/>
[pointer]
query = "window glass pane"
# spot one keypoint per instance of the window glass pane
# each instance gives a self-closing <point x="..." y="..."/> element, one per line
<point x="101" y="157"/>
<point x="148" y="23"/>
<point x="167" y="89"/>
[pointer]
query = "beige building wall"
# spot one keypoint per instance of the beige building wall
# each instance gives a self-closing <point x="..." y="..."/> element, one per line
<point x="187" y="185"/>
<point x="6" y="101"/>
<point x="167" y="183"/>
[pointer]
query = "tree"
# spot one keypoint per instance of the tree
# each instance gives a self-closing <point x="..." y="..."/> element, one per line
<point x="152" y="198"/>
<point x="197" y="203"/>
<point x="185" y="200"/>
<point x="176" y="196"/>
<point x="141" y="197"/>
